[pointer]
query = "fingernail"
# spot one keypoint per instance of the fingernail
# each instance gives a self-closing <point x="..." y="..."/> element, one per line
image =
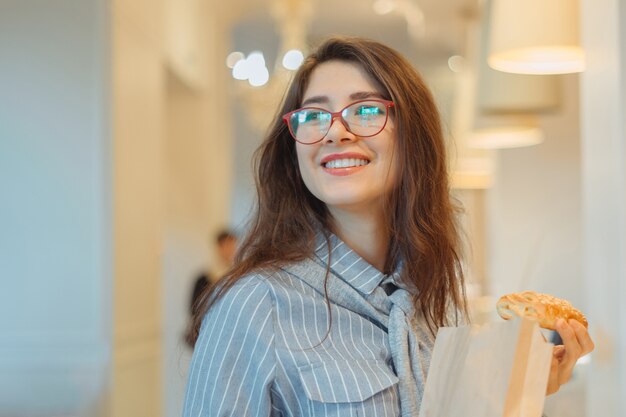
<point x="560" y="323"/>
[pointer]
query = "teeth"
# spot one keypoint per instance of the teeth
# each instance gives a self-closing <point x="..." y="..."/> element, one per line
<point x="345" y="163"/>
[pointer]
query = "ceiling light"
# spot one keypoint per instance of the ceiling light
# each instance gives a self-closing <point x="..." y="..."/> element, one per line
<point x="240" y="70"/>
<point x="259" y="76"/>
<point x="501" y="137"/>
<point x="383" y="6"/>
<point x="252" y="69"/>
<point x="233" y="58"/>
<point x="456" y="63"/>
<point x="293" y="59"/>
<point x="535" y="37"/>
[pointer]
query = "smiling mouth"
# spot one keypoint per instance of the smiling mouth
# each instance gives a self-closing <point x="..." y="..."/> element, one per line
<point x="345" y="163"/>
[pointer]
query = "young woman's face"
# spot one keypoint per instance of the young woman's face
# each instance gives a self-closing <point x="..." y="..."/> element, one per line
<point x="364" y="168"/>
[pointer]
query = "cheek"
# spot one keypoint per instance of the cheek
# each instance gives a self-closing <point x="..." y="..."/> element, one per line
<point x="304" y="163"/>
<point x="392" y="162"/>
<point x="391" y="150"/>
<point x="300" y="154"/>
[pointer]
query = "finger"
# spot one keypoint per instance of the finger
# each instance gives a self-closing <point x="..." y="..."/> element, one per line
<point x="553" y="379"/>
<point x="558" y="352"/>
<point x="573" y="350"/>
<point x="570" y="340"/>
<point x="584" y="339"/>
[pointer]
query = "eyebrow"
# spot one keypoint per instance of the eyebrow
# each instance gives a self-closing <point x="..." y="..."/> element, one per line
<point x="359" y="95"/>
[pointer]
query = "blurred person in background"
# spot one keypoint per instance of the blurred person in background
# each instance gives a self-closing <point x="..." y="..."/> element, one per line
<point x="226" y="247"/>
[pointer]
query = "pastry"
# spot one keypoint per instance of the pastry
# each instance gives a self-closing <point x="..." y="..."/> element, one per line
<point x="544" y="308"/>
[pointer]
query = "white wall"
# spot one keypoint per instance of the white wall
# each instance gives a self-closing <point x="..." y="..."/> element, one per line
<point x="197" y="173"/>
<point x="603" y="110"/>
<point x="533" y="211"/>
<point x="138" y="102"/>
<point x="55" y="213"/>
<point x="187" y="230"/>
<point x="534" y="225"/>
<point x="557" y="214"/>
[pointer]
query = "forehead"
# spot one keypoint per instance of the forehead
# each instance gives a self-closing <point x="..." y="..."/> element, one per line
<point x="339" y="79"/>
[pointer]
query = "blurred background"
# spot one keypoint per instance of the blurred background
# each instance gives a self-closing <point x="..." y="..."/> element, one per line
<point x="126" y="132"/>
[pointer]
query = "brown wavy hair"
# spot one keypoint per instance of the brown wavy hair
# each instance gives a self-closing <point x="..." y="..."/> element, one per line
<point x="419" y="212"/>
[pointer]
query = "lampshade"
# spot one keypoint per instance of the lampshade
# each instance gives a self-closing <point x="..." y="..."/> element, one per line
<point x="495" y="110"/>
<point x="504" y="92"/>
<point x="470" y="168"/>
<point x="535" y="37"/>
<point x="505" y="131"/>
<point x="473" y="172"/>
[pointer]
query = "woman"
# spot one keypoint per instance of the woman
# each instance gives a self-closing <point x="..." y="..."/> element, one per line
<point x="352" y="260"/>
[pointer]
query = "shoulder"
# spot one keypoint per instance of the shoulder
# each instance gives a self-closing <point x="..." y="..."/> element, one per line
<point x="261" y="287"/>
<point x="256" y="288"/>
<point x="271" y="280"/>
<point x="250" y="289"/>
<point x="241" y="311"/>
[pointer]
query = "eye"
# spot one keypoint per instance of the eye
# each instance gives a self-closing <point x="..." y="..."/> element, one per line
<point x="368" y="110"/>
<point x="313" y="116"/>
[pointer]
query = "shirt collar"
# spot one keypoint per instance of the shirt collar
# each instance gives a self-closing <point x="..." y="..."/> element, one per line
<point x="348" y="265"/>
<point x="395" y="279"/>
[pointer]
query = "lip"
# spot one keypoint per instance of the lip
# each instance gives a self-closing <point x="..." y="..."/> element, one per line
<point x="344" y="155"/>
<point x="341" y="172"/>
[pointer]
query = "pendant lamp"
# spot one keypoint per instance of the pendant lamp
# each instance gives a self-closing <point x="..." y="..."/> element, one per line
<point x="535" y="37"/>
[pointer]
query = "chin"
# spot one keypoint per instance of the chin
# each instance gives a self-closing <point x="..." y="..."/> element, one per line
<point x="347" y="202"/>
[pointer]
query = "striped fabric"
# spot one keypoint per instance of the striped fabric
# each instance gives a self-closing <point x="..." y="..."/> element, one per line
<point x="270" y="348"/>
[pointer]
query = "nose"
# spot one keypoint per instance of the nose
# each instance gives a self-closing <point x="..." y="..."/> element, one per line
<point x="338" y="132"/>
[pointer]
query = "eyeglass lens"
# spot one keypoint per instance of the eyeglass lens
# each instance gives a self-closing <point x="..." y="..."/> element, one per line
<point x="365" y="118"/>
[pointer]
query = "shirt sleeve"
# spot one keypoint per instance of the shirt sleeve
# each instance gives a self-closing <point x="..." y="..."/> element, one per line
<point x="233" y="364"/>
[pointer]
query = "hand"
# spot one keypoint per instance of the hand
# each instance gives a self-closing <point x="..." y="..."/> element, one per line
<point x="576" y="343"/>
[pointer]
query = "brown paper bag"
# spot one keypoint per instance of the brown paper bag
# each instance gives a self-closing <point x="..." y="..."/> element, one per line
<point x="497" y="370"/>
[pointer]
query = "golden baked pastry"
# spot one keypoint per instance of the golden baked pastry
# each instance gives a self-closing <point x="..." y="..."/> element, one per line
<point x="544" y="308"/>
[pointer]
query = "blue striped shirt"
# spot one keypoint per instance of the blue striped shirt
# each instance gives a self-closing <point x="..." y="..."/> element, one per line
<point x="269" y="347"/>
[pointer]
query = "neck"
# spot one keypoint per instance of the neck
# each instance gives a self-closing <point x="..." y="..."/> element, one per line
<point x="364" y="233"/>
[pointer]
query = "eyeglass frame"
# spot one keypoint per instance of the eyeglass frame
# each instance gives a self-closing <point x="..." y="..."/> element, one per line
<point x="337" y="114"/>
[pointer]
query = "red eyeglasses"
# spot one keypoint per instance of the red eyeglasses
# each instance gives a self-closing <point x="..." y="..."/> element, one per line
<point x="363" y="118"/>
